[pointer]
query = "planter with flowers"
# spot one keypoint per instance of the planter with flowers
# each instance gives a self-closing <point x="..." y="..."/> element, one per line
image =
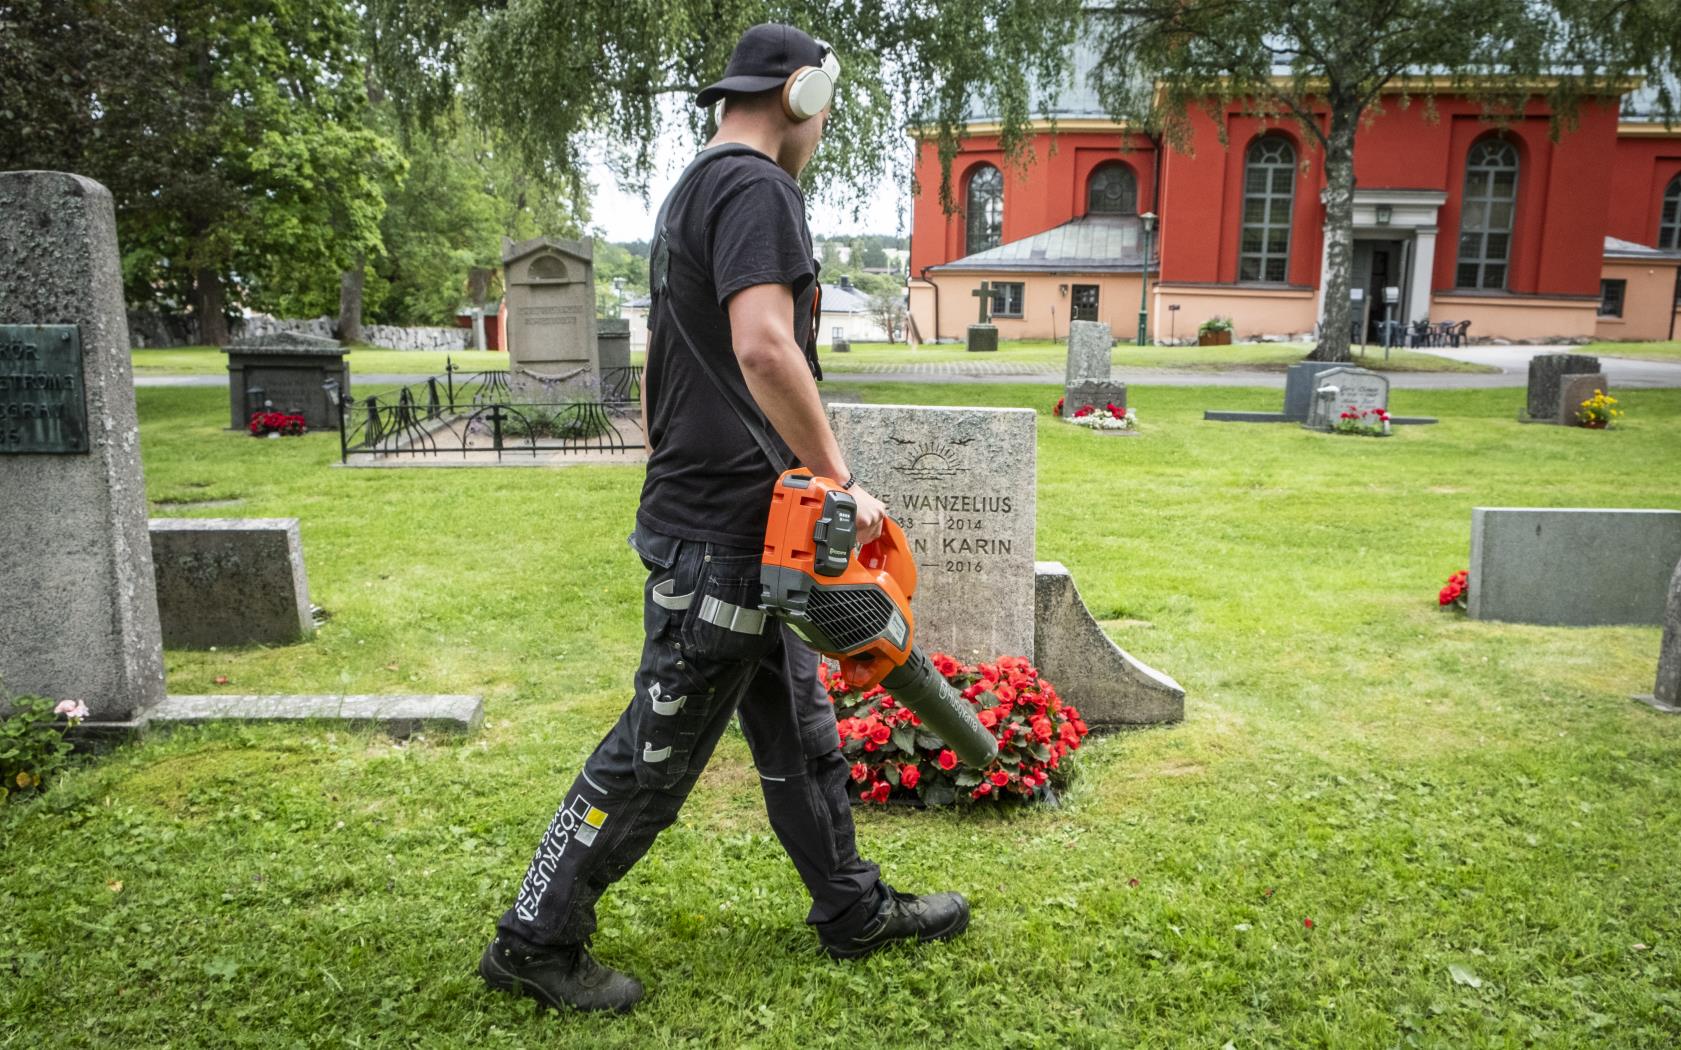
<point x="1598" y="411"/>
<point x="1365" y="422"/>
<point x="894" y="758"/>
<point x="275" y="424"/>
<point x="1216" y="331"/>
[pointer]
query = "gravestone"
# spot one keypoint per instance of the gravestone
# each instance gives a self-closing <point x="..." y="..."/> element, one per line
<point x="1666" y="694"/>
<point x="1546" y="372"/>
<point x="290" y="372"/>
<point x="1571" y="567"/>
<point x="230" y="581"/>
<point x="1575" y="389"/>
<point x="961" y="482"/>
<point x="79" y="616"/>
<point x="1086" y="381"/>
<point x="1345" y="389"/>
<point x="612" y="340"/>
<point x="553" y="352"/>
<point x="983" y="335"/>
<point x="1300" y="381"/>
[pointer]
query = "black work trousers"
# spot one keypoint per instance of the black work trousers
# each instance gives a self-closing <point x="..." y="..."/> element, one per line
<point x="701" y="660"/>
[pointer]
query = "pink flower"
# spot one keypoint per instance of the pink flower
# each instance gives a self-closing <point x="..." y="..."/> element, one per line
<point x="75" y="710"/>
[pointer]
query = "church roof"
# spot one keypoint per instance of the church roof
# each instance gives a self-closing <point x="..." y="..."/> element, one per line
<point x="1090" y="244"/>
<point x="1617" y="248"/>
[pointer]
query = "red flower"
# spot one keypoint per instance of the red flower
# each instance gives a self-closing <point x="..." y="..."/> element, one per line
<point x="988" y="716"/>
<point x="860" y="771"/>
<point x="880" y="734"/>
<point x="909" y="775"/>
<point x="1042" y="730"/>
<point x="1000" y="778"/>
<point x="1308" y="923"/>
<point x="1058" y="410"/>
<point x="880" y="792"/>
<point x="947" y="760"/>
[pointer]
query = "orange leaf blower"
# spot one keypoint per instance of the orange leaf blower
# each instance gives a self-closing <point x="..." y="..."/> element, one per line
<point x="855" y="604"/>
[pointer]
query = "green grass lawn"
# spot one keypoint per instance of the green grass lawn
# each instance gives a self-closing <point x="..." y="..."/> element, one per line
<point x="366" y="360"/>
<point x="1480" y="824"/>
<point x="1259" y="357"/>
<point x="1643" y="351"/>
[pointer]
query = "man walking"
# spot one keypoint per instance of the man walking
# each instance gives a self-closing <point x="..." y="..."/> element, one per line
<point x="729" y="400"/>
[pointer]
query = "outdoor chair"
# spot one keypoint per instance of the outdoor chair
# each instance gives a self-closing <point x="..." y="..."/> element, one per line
<point x="1460" y="334"/>
<point x="1420" y="334"/>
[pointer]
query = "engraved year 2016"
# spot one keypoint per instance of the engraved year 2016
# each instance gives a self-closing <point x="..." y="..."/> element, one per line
<point x="964" y="524"/>
<point x="963" y="565"/>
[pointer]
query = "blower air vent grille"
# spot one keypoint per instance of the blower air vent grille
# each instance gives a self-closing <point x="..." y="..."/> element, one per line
<point x="849" y="616"/>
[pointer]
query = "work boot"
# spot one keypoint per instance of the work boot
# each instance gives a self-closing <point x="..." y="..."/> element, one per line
<point x="903" y="917"/>
<point x="555" y="976"/>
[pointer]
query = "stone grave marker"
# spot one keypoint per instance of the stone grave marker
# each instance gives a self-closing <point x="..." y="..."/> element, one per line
<point x="1666" y="694"/>
<point x="79" y="620"/>
<point x="230" y="581"/>
<point x="291" y="372"/>
<point x="1087" y="381"/>
<point x="1571" y="567"/>
<point x="553" y="352"/>
<point x="1344" y="389"/>
<point x="1546" y="372"/>
<point x="983" y="334"/>
<point x="962" y="484"/>
<point x="1575" y="389"/>
<point x="1300" y="381"/>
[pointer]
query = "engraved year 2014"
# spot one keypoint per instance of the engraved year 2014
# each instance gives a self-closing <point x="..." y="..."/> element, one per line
<point x="964" y="524"/>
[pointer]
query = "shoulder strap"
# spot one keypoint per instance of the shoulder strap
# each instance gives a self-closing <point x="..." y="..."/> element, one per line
<point x="659" y="270"/>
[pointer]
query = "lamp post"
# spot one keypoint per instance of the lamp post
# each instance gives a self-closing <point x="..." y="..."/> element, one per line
<point x="1149" y="221"/>
<point x="618" y="297"/>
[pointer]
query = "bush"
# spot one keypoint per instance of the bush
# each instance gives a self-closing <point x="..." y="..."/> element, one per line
<point x="892" y="754"/>
<point x="32" y="744"/>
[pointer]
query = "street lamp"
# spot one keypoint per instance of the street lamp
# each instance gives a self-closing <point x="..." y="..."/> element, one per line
<point x="618" y="297"/>
<point x="1149" y="221"/>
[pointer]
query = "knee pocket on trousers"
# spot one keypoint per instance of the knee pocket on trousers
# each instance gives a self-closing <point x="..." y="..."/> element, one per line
<point x="672" y="709"/>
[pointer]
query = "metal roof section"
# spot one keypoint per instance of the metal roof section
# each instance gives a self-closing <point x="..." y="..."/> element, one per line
<point x="1616" y="248"/>
<point x="1090" y="244"/>
<point x="844" y="299"/>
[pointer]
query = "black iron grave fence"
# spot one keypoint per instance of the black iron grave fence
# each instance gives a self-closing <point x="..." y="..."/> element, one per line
<point x="478" y="415"/>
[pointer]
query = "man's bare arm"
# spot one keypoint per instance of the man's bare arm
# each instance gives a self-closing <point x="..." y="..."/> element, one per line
<point x="762" y="329"/>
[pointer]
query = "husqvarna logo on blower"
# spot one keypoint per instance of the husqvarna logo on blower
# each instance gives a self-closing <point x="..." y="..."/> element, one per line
<point x="578" y="819"/>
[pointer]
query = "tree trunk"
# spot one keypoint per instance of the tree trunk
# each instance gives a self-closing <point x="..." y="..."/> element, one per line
<point x="210" y="307"/>
<point x="350" y="302"/>
<point x="1339" y="234"/>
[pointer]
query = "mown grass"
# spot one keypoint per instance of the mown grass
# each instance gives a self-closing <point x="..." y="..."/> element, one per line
<point x="364" y="360"/>
<point x="1663" y="351"/>
<point x="1256" y="357"/>
<point x="1438" y="796"/>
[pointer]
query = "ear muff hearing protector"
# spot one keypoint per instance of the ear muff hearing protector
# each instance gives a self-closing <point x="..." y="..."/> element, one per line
<point x="810" y="89"/>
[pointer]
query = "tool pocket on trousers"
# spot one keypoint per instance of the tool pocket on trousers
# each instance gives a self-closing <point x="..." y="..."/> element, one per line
<point x="724" y="621"/>
<point x="671" y="710"/>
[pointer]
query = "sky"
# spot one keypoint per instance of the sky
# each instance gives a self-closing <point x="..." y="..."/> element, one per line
<point x="622" y="216"/>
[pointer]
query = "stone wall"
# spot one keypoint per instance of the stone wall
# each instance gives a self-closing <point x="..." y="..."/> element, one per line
<point x="150" y="329"/>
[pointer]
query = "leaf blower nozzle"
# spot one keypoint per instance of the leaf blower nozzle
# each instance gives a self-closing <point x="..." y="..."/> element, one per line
<point x="854" y="604"/>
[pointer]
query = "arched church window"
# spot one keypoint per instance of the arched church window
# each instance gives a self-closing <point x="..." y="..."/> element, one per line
<point x="1113" y="190"/>
<point x="983" y="210"/>
<point x="1487" y="211"/>
<point x="1669" y="221"/>
<point x="1269" y="191"/>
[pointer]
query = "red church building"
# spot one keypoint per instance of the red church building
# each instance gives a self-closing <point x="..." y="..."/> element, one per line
<point x="1456" y="219"/>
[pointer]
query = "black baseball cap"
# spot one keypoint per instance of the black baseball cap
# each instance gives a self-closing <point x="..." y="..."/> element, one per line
<point x="764" y="58"/>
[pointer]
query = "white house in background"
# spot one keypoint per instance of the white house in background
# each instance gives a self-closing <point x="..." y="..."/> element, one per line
<point x="845" y="308"/>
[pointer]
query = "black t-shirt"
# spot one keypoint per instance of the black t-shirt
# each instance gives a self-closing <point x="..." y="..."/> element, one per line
<point x="735" y="222"/>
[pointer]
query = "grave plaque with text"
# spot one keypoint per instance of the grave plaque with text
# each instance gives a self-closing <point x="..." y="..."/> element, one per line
<point x="43" y="403"/>
<point x="1340" y="390"/>
<point x="960" y="482"/>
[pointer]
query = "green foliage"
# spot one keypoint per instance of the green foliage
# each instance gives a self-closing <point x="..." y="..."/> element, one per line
<point x="606" y="91"/>
<point x="32" y="746"/>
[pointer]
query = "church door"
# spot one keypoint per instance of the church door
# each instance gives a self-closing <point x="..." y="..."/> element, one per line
<point x="1085" y="302"/>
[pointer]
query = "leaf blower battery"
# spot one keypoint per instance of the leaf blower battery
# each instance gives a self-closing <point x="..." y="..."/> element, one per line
<point x="855" y="605"/>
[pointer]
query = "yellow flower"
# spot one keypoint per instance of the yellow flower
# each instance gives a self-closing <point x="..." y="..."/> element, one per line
<point x="24" y="779"/>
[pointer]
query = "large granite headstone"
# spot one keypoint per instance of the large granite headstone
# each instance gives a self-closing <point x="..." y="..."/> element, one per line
<point x="1339" y="390"/>
<point x="1666" y="695"/>
<point x="1571" y="567"/>
<point x="553" y="353"/>
<point x="1575" y="389"/>
<point x="79" y="619"/>
<point x="961" y="483"/>
<point x="1087" y="381"/>
<point x="230" y="581"/>
<point x="290" y="372"/>
<point x="1546" y="371"/>
<point x="1300" y="381"/>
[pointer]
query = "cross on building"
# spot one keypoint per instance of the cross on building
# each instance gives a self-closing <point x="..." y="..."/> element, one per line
<point x="984" y="293"/>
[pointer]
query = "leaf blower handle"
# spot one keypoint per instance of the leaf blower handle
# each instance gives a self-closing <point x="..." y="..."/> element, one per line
<point x="945" y="713"/>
